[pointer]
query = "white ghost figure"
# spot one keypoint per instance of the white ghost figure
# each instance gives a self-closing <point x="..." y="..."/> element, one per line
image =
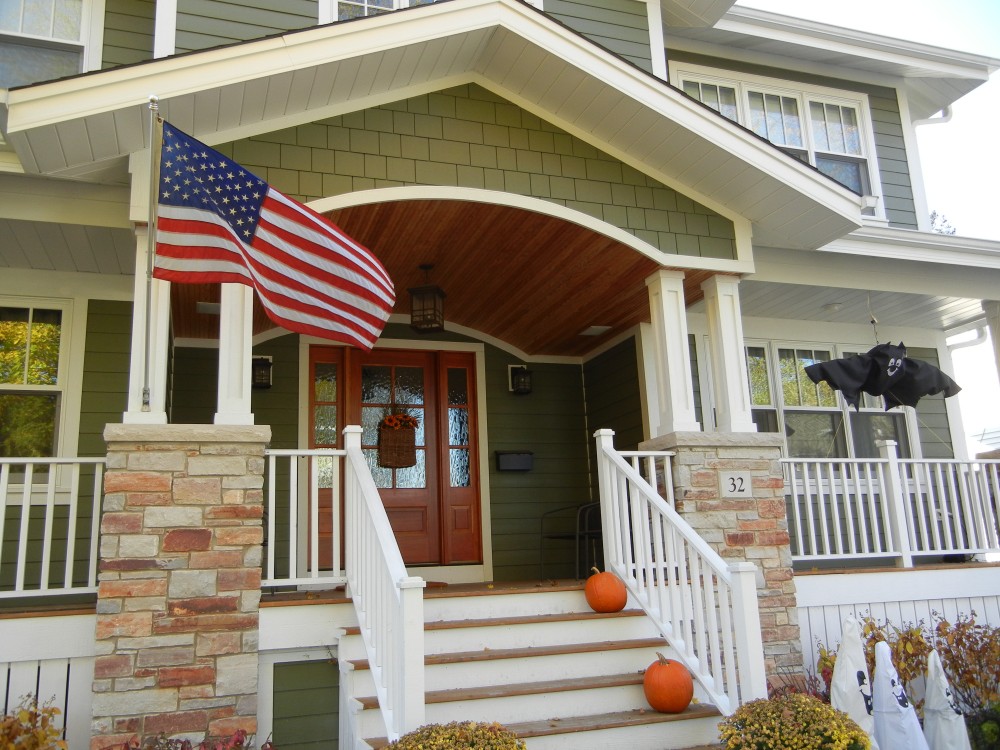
<point x="944" y="725"/>
<point x="850" y="687"/>
<point x="896" y="723"/>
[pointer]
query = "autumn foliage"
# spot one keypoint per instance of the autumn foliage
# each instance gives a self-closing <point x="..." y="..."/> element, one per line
<point x="31" y="727"/>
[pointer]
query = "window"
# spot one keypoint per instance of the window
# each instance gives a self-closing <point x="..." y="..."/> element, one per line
<point x="41" y="40"/>
<point x="348" y="9"/>
<point x="816" y="422"/>
<point x="30" y="383"/>
<point x="823" y="127"/>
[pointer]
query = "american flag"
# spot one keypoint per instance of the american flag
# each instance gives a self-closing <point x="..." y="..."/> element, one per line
<point x="217" y="222"/>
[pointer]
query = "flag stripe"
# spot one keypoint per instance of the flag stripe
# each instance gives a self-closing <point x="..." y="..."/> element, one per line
<point x="219" y="223"/>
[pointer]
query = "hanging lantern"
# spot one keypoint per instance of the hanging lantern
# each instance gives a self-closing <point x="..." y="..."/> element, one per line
<point x="520" y="379"/>
<point x="426" y="306"/>
<point x="260" y="372"/>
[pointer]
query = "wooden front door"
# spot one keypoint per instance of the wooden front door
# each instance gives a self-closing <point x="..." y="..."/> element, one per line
<point x="433" y="506"/>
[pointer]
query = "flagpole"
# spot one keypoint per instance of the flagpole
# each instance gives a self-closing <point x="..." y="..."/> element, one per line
<point x="155" y="143"/>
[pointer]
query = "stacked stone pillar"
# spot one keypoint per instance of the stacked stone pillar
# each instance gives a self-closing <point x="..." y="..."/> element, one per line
<point x="179" y="582"/>
<point x="753" y="528"/>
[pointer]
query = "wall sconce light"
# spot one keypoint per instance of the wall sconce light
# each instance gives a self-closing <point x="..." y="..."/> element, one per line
<point x="426" y="305"/>
<point x="260" y="372"/>
<point x="519" y="379"/>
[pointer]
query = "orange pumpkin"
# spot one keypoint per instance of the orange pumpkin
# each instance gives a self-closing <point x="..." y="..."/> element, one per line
<point x="605" y="592"/>
<point x="667" y="685"/>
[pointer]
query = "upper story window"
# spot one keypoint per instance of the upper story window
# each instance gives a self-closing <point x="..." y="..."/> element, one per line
<point x="31" y="383"/>
<point x="41" y="40"/>
<point x="816" y="421"/>
<point x="348" y="9"/>
<point x="826" y="128"/>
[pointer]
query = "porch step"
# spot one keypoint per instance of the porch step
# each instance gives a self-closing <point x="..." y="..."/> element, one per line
<point x="573" y="729"/>
<point x="538" y="660"/>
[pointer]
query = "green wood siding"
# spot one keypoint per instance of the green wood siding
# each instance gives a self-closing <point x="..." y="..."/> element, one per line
<point x="932" y="414"/>
<point x="105" y="372"/>
<point x="194" y="389"/>
<point x="620" y="26"/>
<point x="202" y="24"/>
<point x="468" y="137"/>
<point x="890" y="151"/>
<point x="611" y="382"/>
<point x="306" y="705"/>
<point x="128" y="31"/>
<point x="551" y="423"/>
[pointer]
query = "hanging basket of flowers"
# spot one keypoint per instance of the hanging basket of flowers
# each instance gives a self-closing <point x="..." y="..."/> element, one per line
<point x="397" y="441"/>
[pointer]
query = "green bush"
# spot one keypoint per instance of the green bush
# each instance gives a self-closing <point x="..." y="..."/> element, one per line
<point x="463" y="735"/>
<point x="793" y="720"/>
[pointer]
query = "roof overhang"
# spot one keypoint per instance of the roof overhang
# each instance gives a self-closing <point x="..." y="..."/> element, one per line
<point x="693" y="12"/>
<point x="86" y="126"/>
<point x="932" y="77"/>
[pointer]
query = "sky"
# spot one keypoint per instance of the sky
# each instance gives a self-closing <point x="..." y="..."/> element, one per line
<point x="960" y="159"/>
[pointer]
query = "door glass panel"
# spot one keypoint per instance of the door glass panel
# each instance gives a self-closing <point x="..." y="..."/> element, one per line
<point x="381" y="475"/>
<point x="413" y="477"/>
<point x="458" y="386"/>
<point x="325" y="425"/>
<point x="325" y="383"/>
<point x="375" y="384"/>
<point x="459" y="471"/>
<point x="370" y="417"/>
<point x="409" y="385"/>
<point x="419" y="415"/>
<point x="458" y="426"/>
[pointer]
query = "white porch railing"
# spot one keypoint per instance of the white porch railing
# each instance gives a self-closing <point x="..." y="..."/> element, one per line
<point x="389" y="603"/>
<point x="303" y="497"/>
<point x="48" y="499"/>
<point x="705" y="608"/>
<point x="891" y="507"/>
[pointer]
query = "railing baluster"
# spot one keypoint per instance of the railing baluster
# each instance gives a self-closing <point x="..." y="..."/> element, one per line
<point x="313" y="499"/>
<point x="22" y="540"/>
<point x="96" y="508"/>
<point x="813" y="547"/>
<point x="824" y="506"/>
<point x="74" y="499"/>
<point x="48" y="524"/>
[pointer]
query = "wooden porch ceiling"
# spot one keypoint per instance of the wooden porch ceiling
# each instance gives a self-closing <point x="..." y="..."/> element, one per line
<point x="531" y="280"/>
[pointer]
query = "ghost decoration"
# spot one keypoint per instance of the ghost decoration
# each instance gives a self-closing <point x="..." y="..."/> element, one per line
<point x="850" y="688"/>
<point x="885" y="371"/>
<point x="944" y="724"/>
<point x="896" y="723"/>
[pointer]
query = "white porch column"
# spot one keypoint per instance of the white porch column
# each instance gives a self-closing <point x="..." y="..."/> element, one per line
<point x="158" y="343"/>
<point x="235" y="345"/>
<point x="674" y="389"/>
<point x="729" y="372"/>
<point x="992" y="310"/>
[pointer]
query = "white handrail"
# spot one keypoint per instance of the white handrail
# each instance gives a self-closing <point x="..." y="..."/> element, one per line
<point x="388" y="602"/>
<point x="40" y="488"/>
<point x="892" y="507"/>
<point x="705" y="608"/>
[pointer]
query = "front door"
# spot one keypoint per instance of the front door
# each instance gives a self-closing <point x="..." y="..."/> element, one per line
<point x="433" y="506"/>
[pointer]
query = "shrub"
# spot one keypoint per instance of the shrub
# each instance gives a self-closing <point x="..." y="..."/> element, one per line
<point x="240" y="740"/>
<point x="31" y="727"/>
<point x="791" y="720"/>
<point x="466" y="735"/>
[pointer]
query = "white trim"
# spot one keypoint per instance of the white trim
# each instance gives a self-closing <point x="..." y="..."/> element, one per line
<point x="657" y="44"/>
<point x="165" y="32"/>
<point x="479" y="350"/>
<point x="913" y="162"/>
<point x="803" y="94"/>
<point x="743" y="263"/>
<point x="69" y="381"/>
<point x="92" y="34"/>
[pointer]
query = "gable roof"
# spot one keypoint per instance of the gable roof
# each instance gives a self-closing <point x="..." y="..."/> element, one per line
<point x="85" y="127"/>
<point x="932" y="77"/>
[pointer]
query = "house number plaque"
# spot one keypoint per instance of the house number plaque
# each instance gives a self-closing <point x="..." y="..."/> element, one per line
<point x="735" y="484"/>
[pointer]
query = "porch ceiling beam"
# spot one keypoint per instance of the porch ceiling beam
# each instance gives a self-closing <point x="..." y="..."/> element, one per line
<point x="517" y="52"/>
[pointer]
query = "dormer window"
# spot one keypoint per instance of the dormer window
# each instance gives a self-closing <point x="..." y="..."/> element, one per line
<point x="826" y="128"/>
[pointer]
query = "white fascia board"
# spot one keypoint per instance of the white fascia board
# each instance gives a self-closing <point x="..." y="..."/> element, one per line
<point x="925" y="60"/>
<point x="924" y="247"/>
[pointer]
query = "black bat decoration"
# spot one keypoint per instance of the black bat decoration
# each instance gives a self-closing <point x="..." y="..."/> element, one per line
<point x="884" y="371"/>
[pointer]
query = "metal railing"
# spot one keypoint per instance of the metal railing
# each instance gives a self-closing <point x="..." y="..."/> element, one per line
<point x="55" y="504"/>
<point x="891" y="507"/>
<point x="705" y="607"/>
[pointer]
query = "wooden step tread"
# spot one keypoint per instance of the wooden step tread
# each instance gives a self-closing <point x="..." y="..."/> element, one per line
<point x="594" y="722"/>
<point x="523" y="688"/>
<point x="436" y="591"/>
<point x="517" y="653"/>
<point x="518" y="620"/>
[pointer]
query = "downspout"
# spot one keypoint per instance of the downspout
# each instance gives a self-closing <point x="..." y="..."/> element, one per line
<point x="917" y="181"/>
<point x="979" y="338"/>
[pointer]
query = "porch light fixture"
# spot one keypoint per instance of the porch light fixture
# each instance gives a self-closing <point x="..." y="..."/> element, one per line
<point x="519" y="379"/>
<point x="260" y="372"/>
<point x="426" y="305"/>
